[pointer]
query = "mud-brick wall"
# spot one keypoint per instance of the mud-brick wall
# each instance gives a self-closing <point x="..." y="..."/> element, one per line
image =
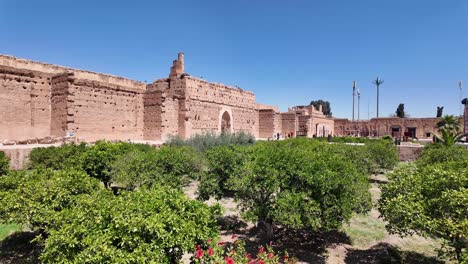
<point x="152" y="115"/>
<point x="208" y="101"/>
<point x="245" y="119"/>
<point x="24" y="104"/>
<point x="288" y="123"/>
<point x="169" y="117"/>
<point x="105" y="111"/>
<point x="60" y="104"/>
<point x="266" y="123"/>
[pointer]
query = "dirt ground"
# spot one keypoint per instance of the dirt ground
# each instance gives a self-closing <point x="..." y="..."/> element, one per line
<point x="363" y="240"/>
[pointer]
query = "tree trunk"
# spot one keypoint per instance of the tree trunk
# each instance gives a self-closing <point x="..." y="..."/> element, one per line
<point x="265" y="227"/>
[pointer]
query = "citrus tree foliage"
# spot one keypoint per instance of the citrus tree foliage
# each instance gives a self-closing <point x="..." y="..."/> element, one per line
<point x="63" y="157"/>
<point x="436" y="153"/>
<point x="299" y="186"/>
<point x="4" y="164"/>
<point x="143" y="226"/>
<point x="98" y="159"/>
<point x="383" y="153"/>
<point x="32" y="198"/>
<point x="222" y="163"/>
<point x="431" y="198"/>
<point x="169" y="165"/>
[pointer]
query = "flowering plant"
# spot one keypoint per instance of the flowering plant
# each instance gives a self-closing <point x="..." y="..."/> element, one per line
<point x="235" y="253"/>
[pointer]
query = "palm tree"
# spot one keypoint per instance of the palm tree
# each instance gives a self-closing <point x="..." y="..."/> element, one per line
<point x="449" y="122"/>
<point x="377" y="83"/>
<point x="449" y="129"/>
<point x="448" y="137"/>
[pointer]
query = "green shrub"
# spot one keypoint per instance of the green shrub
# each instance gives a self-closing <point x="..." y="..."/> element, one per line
<point x="429" y="200"/>
<point x="223" y="162"/>
<point x="57" y="158"/>
<point x="383" y="153"/>
<point x="436" y="153"/>
<point x="387" y="137"/>
<point x="98" y="159"/>
<point x="4" y="164"/>
<point x="143" y="226"/>
<point x="299" y="187"/>
<point x="170" y="165"/>
<point x="32" y="198"/>
<point x="202" y="142"/>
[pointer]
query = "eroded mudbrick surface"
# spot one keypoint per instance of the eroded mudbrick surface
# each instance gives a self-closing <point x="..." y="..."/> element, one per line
<point x="45" y="103"/>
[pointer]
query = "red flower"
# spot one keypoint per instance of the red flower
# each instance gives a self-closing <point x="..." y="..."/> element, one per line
<point x="199" y="254"/>
<point x="261" y="262"/>
<point x="229" y="260"/>
<point x="208" y="241"/>
<point x="270" y="255"/>
<point x="197" y="247"/>
<point x="210" y="252"/>
<point x="221" y="243"/>
<point x="248" y="256"/>
<point x="253" y="261"/>
<point x="234" y="237"/>
<point x="285" y="258"/>
<point x="261" y="249"/>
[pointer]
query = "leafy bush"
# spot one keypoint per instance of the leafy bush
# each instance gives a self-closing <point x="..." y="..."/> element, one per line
<point x="98" y="159"/>
<point x="144" y="226"/>
<point x="33" y="198"/>
<point x="57" y="158"/>
<point x="202" y="142"/>
<point x="299" y="187"/>
<point x="172" y="166"/>
<point x="222" y="163"/>
<point x="4" y="164"/>
<point x="436" y="153"/>
<point x="383" y="153"/>
<point x="430" y="198"/>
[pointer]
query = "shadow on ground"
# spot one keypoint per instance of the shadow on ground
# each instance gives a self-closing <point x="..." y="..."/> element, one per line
<point x="303" y="245"/>
<point x="384" y="253"/>
<point x="18" y="248"/>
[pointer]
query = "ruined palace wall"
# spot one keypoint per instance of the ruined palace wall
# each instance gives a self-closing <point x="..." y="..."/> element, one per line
<point x="206" y="102"/>
<point x="24" y="103"/>
<point x="270" y="123"/>
<point x="18" y="63"/>
<point x="383" y="126"/>
<point x="105" y="111"/>
<point x="288" y="123"/>
<point x="39" y="100"/>
<point x="152" y="105"/>
<point x="322" y="126"/>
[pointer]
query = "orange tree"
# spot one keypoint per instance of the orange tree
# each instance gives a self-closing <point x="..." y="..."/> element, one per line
<point x="430" y="198"/>
<point x="299" y="185"/>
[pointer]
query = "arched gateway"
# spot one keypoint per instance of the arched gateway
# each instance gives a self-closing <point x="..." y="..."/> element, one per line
<point x="226" y="123"/>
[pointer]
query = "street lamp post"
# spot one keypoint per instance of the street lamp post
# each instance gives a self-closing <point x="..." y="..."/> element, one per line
<point x="358" y="103"/>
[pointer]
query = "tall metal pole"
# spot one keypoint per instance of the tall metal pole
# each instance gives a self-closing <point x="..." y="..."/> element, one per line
<point x="358" y="103"/>
<point x="377" y="100"/>
<point x="377" y="83"/>
<point x="461" y="95"/>
<point x="354" y="93"/>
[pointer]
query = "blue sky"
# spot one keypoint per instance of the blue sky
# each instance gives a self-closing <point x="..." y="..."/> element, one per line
<point x="287" y="52"/>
